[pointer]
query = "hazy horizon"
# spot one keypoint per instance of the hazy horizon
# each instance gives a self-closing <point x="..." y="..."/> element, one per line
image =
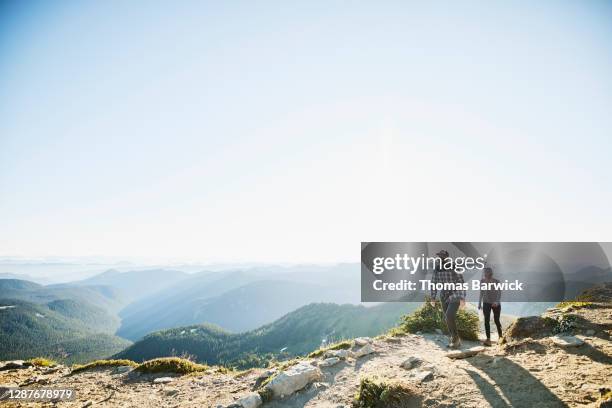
<point x="271" y="132"/>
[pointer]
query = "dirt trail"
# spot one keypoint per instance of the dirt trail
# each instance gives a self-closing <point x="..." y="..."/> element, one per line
<point x="525" y="373"/>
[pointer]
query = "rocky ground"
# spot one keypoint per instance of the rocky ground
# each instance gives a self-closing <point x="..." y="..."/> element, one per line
<point x="539" y="371"/>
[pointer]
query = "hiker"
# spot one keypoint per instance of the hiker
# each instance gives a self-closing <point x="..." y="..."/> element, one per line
<point x="489" y="300"/>
<point x="451" y="299"/>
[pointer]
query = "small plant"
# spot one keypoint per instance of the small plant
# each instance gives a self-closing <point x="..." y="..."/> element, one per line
<point x="341" y="345"/>
<point x="375" y="393"/>
<point x="428" y="318"/>
<point x="102" y="364"/>
<point x="266" y="394"/>
<point x="42" y="362"/>
<point x="170" y="365"/>
<point x="565" y="324"/>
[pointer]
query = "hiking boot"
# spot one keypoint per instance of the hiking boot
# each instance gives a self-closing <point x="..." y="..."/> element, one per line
<point x="487" y="343"/>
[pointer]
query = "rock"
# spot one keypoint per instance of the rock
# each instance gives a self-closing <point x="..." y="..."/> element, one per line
<point x="252" y="400"/>
<point x="411" y="362"/>
<point x="171" y="392"/>
<point x="590" y="332"/>
<point x="264" y="376"/>
<point x="328" y="362"/>
<point x="438" y="331"/>
<point x="293" y="379"/>
<point x="364" y="351"/>
<point x="87" y="404"/>
<point x="393" y="340"/>
<point x="12" y="365"/>
<point x="341" y="354"/>
<point x="362" y="341"/>
<point x="123" y="369"/>
<point x="465" y="353"/>
<point x="567" y="341"/>
<point x="533" y="326"/>
<point x="423" y="376"/>
<point x="163" y="380"/>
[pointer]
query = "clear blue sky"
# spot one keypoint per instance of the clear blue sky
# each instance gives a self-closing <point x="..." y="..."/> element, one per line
<point x="292" y="131"/>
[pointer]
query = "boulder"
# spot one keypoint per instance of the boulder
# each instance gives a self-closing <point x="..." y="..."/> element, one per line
<point x="411" y="362"/>
<point x="364" y="351"/>
<point x="533" y="326"/>
<point x="328" y="362"/>
<point x="123" y="369"/>
<point x="362" y="341"/>
<point x="293" y="379"/>
<point x="163" y="380"/>
<point x="456" y="354"/>
<point x="567" y="341"/>
<point x="423" y="376"/>
<point x="252" y="400"/>
<point x="341" y="354"/>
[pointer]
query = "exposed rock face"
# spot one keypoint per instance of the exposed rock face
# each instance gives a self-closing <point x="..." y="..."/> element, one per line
<point x="293" y="379"/>
<point x="328" y="362"/>
<point x="362" y="341"/>
<point x="341" y="354"/>
<point x="163" y="380"/>
<point x="364" y="351"/>
<point x="13" y="365"/>
<point x="252" y="400"/>
<point x="465" y="353"/>
<point x="567" y="341"/>
<point x="411" y="362"/>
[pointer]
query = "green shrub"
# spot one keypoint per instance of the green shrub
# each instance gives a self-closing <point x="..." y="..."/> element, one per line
<point x="428" y="318"/>
<point x="102" y="364"/>
<point x="375" y="393"/>
<point x="170" y="365"/>
<point x="42" y="362"/>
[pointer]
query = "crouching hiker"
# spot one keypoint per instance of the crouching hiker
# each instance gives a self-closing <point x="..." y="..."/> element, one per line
<point x="451" y="298"/>
<point x="489" y="301"/>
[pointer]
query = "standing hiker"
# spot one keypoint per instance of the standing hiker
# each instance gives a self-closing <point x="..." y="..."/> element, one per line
<point x="451" y="298"/>
<point x="489" y="300"/>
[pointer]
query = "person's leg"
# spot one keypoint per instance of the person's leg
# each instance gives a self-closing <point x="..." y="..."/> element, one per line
<point x="496" y="314"/>
<point x="486" y="310"/>
<point x="450" y="315"/>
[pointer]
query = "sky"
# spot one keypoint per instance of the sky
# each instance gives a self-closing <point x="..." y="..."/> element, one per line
<point x="292" y="131"/>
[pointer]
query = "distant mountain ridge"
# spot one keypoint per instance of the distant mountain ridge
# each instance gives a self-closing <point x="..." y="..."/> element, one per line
<point x="298" y="332"/>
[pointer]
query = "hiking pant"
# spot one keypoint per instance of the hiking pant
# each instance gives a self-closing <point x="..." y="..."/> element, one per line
<point x="486" y="308"/>
<point x="450" y="308"/>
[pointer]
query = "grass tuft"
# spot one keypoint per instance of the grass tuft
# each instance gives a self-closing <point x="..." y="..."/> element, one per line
<point x="341" y="345"/>
<point x="375" y="393"/>
<point x="102" y="364"/>
<point x="174" y="365"/>
<point x="42" y="362"/>
<point x="575" y="304"/>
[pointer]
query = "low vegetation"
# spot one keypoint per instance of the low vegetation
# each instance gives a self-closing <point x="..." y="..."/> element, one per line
<point x="341" y="345"/>
<point x="376" y="393"/>
<point x="102" y="364"/>
<point x="574" y="304"/>
<point x="173" y="365"/>
<point x="42" y="362"/>
<point x="428" y="318"/>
